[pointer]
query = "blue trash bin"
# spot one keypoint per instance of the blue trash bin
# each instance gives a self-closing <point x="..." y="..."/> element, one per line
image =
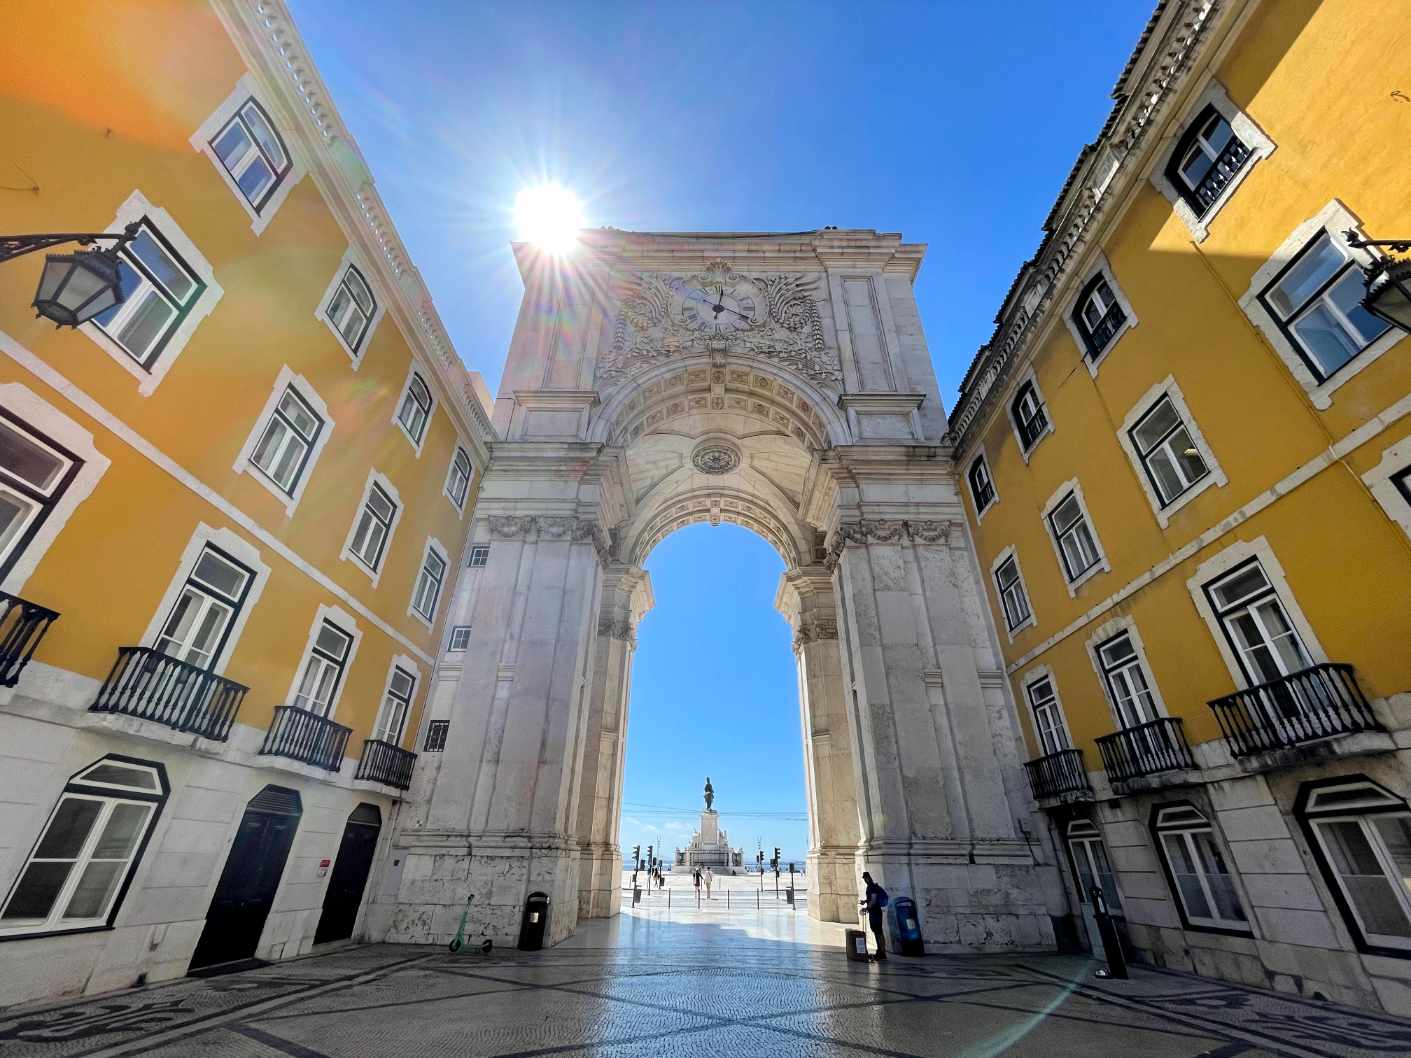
<point x="907" y="927"/>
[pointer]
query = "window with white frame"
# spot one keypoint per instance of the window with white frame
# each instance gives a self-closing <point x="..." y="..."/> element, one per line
<point x="81" y="865"/>
<point x="323" y="672"/>
<point x="1098" y="316"/>
<point x="1167" y="452"/>
<point x="1316" y="302"/>
<point x="1048" y="719"/>
<point x="1205" y="160"/>
<point x="1011" y="593"/>
<point x="458" y="478"/>
<point x="282" y="452"/>
<point x="253" y="153"/>
<point x="1256" y="624"/>
<point x="1076" y="545"/>
<point x="396" y="704"/>
<point x="1401" y="480"/>
<point x="35" y="472"/>
<point x="159" y="292"/>
<point x="1030" y="416"/>
<point x="1127" y="681"/>
<point x="1361" y="835"/>
<point x="428" y="583"/>
<point x="1091" y="864"/>
<point x="460" y="637"/>
<point x="351" y="309"/>
<point x="205" y="609"/>
<point x="982" y="489"/>
<point x="1204" y="887"/>
<point x="373" y="526"/>
<point x="415" y="409"/>
<point x="479" y="555"/>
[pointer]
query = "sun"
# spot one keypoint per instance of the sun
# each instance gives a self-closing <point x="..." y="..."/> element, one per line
<point x="549" y="216"/>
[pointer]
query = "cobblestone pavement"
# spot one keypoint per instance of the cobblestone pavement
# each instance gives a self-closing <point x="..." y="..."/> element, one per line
<point x="698" y="985"/>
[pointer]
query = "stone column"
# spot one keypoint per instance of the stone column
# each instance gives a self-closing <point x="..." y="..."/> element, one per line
<point x="805" y="598"/>
<point x="626" y="598"/>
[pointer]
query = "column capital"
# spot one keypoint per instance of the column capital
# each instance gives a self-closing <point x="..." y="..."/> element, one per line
<point x="948" y="532"/>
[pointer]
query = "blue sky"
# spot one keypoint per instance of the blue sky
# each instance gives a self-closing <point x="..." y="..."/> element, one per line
<point x="953" y="123"/>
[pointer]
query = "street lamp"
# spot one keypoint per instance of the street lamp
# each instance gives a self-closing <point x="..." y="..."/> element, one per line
<point x="73" y="287"/>
<point x="1388" y="281"/>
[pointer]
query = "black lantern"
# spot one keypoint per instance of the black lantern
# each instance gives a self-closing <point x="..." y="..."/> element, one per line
<point x="73" y="287"/>
<point x="1388" y="295"/>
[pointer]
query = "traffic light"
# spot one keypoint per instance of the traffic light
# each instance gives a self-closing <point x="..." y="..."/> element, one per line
<point x="649" y="855"/>
<point x="776" y="855"/>
<point x="636" y="853"/>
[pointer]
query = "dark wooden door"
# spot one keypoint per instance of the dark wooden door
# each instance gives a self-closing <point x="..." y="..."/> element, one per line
<point x="349" y="878"/>
<point x="247" y="886"/>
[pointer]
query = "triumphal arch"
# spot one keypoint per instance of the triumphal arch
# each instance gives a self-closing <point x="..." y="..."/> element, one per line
<point x="778" y="382"/>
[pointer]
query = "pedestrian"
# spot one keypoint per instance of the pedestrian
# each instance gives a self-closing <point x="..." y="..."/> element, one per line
<point x="874" y="900"/>
<point x="707" y="877"/>
<point x="697" y="876"/>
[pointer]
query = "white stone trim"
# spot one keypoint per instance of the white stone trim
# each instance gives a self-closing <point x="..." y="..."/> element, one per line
<point x="30" y="408"/>
<point x="1109" y="630"/>
<point x="1032" y="676"/>
<point x="1168" y="388"/>
<point x="245" y="88"/>
<point x="403" y="662"/>
<point x="1394" y="460"/>
<point x="432" y="545"/>
<point x="1251" y="135"/>
<point x="1099" y="265"/>
<point x="1334" y="218"/>
<point x="346" y="555"/>
<point x="1027" y="376"/>
<point x="1029" y="621"/>
<point x="136" y="208"/>
<point x="1221" y="563"/>
<point x="244" y="552"/>
<point x="125" y="433"/>
<point x="285" y="380"/>
<point x="414" y="370"/>
<point x="980" y="456"/>
<point x="1101" y="565"/>
<point x="355" y="356"/>
<point x="344" y="620"/>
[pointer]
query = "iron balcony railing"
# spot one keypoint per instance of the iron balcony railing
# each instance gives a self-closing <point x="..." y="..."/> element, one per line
<point x="1058" y="773"/>
<point x="1318" y="702"/>
<point x="22" y="626"/>
<point x="1159" y="745"/>
<point x="150" y="685"/>
<point x="1230" y="162"/>
<point x="385" y="763"/>
<point x="304" y="736"/>
<point x="1105" y="329"/>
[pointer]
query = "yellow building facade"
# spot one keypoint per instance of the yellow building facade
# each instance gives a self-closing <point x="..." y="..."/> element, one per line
<point x="233" y="508"/>
<point x="1188" y="457"/>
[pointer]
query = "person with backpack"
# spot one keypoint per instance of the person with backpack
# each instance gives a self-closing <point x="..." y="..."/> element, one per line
<point x="874" y="901"/>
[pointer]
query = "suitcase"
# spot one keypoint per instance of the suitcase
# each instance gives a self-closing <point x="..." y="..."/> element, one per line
<point x="856" y="945"/>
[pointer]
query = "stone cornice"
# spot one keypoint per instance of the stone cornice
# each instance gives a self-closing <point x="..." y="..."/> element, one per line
<point x="548" y="528"/>
<point x="890" y="531"/>
<point x="265" y="34"/>
<point x="1105" y="172"/>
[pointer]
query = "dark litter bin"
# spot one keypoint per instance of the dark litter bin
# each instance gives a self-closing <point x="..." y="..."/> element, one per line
<point x="534" y="923"/>
<point x="856" y="944"/>
<point x="909" y="940"/>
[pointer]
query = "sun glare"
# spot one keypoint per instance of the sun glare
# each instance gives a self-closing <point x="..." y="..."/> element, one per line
<point x="549" y="216"/>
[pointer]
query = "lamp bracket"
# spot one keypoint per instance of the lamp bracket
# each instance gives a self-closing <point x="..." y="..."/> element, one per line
<point x="12" y="246"/>
<point x="1394" y="245"/>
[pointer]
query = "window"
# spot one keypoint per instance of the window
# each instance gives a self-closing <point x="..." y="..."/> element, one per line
<point x="479" y="556"/>
<point x="396" y="703"/>
<point x="1098" y="316"/>
<point x="253" y="153"/>
<point x="1256" y="624"/>
<point x="159" y="292"/>
<point x="1011" y="594"/>
<point x="1090" y="863"/>
<point x="1048" y="720"/>
<point x="34" y="474"/>
<point x="982" y="489"/>
<point x="1361" y="837"/>
<point x="1029" y="416"/>
<point x="1127" y="682"/>
<point x="351" y="309"/>
<point x="372" y="528"/>
<point x="205" y="609"/>
<point x="460" y="637"/>
<point x="428" y="583"/>
<point x="436" y="736"/>
<point x="1196" y="867"/>
<point x="458" y="479"/>
<point x="1205" y="160"/>
<point x="1402" y="480"/>
<point x="415" y="410"/>
<point x="1316" y="301"/>
<point x="323" y="672"/>
<point x="282" y="452"/>
<point x="81" y="865"/>
<point x="1076" y="545"/>
<point x="1167" y="451"/>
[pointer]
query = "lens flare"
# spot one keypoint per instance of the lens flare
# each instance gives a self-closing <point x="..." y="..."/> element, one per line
<point x="550" y="217"/>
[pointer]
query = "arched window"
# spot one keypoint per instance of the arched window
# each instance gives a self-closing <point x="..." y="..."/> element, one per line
<point x="351" y="309"/>
<point x="415" y="410"/>
<point x="1206" y="158"/>
<point x="1195" y="867"/>
<point x="81" y="865"/>
<point x="982" y="489"/>
<point x="253" y="153"/>
<point x="1030" y="419"/>
<point x="1098" y="316"/>
<point x="1090" y="863"/>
